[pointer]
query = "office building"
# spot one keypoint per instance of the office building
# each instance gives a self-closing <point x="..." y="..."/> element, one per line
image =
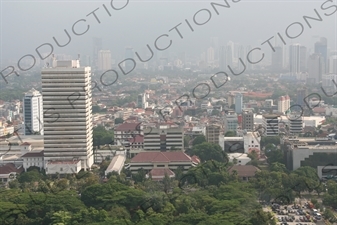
<point x="163" y="138"/>
<point x="295" y="58"/>
<point x="104" y="60"/>
<point x="129" y="54"/>
<point x="301" y="95"/>
<point x="248" y="121"/>
<point x="318" y="153"/>
<point x="230" y="100"/>
<point x="210" y="56"/>
<point x="333" y="64"/>
<point x="238" y="103"/>
<point x="66" y="91"/>
<point x="296" y="124"/>
<point x="283" y="104"/>
<point x="303" y="59"/>
<point x="141" y="100"/>
<point x="328" y="83"/>
<point x="277" y="59"/>
<point x="212" y="133"/>
<point x="321" y="47"/>
<point x="33" y="112"/>
<point x="315" y="68"/>
<point x="271" y="125"/>
<point x="222" y="59"/>
<point x="231" y="121"/>
<point x="97" y="46"/>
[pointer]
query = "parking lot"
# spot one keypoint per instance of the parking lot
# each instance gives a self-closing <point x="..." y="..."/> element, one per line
<point x="295" y="215"/>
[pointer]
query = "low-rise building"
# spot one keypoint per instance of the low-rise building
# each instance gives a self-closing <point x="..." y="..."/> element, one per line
<point x="170" y="160"/>
<point x="63" y="167"/>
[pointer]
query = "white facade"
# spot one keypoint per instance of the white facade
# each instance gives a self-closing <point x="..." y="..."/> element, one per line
<point x="66" y="90"/>
<point x="33" y="112"/>
<point x="251" y="141"/>
<point x="283" y="104"/>
<point x="63" y="167"/>
<point x="163" y="139"/>
<point x="104" y="60"/>
<point x="241" y="159"/>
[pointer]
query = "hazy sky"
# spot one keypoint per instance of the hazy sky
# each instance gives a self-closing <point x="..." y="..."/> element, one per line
<point x="27" y="24"/>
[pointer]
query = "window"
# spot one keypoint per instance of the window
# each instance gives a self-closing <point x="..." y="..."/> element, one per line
<point x="160" y="165"/>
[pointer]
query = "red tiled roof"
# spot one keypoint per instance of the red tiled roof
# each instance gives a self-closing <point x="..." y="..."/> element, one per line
<point x="156" y="172"/>
<point x="128" y="126"/>
<point x="244" y="170"/>
<point x="26" y="143"/>
<point x="9" y="168"/>
<point x="195" y="159"/>
<point x="161" y="157"/>
<point x="33" y="154"/>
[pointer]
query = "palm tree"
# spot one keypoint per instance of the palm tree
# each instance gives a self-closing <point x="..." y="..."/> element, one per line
<point x="61" y="218"/>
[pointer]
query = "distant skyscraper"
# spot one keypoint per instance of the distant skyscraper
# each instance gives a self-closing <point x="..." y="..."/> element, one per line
<point x="215" y="45"/>
<point x="294" y="58"/>
<point x="277" y="59"/>
<point x="321" y="47"/>
<point x="333" y="64"/>
<point x="210" y="55"/>
<point x="222" y="59"/>
<point x="66" y="90"/>
<point x="241" y="54"/>
<point x="97" y="46"/>
<point x="238" y="103"/>
<point x="33" y="112"/>
<point x="128" y="54"/>
<point x="315" y="68"/>
<point x="104" y="60"/>
<point x="303" y="59"/>
<point x="248" y="65"/>
<point x="229" y="54"/>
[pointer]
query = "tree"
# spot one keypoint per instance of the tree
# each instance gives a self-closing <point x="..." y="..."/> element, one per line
<point x="61" y="218"/>
<point x="207" y="151"/>
<point x="230" y="134"/>
<point x="119" y="121"/>
<point x="199" y="140"/>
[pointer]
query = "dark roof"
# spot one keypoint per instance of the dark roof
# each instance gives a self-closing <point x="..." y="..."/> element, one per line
<point x="244" y="170"/>
<point x="161" y="157"/>
<point x="33" y="154"/>
<point x="128" y="127"/>
<point x="9" y="168"/>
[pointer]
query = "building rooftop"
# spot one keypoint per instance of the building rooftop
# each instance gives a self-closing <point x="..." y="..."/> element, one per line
<point x="244" y="170"/>
<point x="128" y="127"/>
<point x="10" y="168"/>
<point x="33" y="154"/>
<point x="176" y="156"/>
<point x="63" y="162"/>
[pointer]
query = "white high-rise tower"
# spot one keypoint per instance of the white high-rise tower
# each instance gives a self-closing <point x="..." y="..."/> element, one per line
<point x="33" y="112"/>
<point x="66" y="90"/>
